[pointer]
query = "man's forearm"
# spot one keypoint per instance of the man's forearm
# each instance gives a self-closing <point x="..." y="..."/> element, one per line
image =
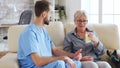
<point x="40" y="61"/>
<point x="59" y="52"/>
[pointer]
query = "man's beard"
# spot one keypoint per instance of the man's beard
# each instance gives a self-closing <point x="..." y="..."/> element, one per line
<point x="46" y="21"/>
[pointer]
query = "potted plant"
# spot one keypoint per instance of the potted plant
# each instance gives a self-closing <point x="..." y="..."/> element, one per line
<point x="60" y="12"/>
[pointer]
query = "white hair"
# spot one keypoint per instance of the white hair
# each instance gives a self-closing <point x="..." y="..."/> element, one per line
<point x="79" y="13"/>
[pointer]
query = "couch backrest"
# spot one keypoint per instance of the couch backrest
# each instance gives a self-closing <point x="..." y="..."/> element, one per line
<point x="13" y="35"/>
<point x="56" y="31"/>
<point x="108" y="33"/>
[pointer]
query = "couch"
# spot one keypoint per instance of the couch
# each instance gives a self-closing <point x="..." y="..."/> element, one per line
<point x="108" y="34"/>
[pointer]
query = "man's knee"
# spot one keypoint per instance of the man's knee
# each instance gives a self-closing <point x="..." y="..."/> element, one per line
<point x="89" y="64"/>
<point x="103" y="64"/>
<point x="55" y="64"/>
<point x="78" y="64"/>
<point x="60" y="63"/>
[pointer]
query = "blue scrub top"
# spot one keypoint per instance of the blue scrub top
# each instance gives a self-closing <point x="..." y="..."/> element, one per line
<point x="33" y="40"/>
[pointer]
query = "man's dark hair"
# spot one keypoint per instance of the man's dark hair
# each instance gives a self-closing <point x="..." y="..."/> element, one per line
<point x="41" y="6"/>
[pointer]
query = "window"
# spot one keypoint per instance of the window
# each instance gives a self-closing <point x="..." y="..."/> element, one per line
<point x="102" y="11"/>
<point x="91" y="7"/>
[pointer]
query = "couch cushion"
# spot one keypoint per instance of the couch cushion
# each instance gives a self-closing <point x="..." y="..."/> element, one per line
<point x="108" y="33"/>
<point x="9" y="61"/>
<point x="55" y="30"/>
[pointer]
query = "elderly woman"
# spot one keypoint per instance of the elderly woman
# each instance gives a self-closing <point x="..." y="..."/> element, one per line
<point x="87" y="40"/>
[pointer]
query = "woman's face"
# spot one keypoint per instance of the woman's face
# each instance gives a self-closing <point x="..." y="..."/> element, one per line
<point x="81" y="22"/>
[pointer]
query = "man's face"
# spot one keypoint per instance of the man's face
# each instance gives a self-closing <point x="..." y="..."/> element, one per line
<point x="46" y="19"/>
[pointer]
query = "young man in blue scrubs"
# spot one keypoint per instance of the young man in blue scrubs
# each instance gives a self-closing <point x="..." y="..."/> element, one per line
<point x="36" y="49"/>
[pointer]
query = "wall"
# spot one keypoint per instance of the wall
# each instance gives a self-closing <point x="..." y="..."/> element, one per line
<point x="10" y="10"/>
<point x="3" y="43"/>
<point x="71" y="6"/>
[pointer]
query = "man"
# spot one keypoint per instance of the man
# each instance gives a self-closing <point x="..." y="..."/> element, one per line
<point x="36" y="49"/>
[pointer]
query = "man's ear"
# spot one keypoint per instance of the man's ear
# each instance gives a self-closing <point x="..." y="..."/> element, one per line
<point x="44" y="14"/>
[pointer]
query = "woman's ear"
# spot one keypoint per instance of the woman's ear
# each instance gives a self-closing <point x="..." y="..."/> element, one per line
<point x="75" y="22"/>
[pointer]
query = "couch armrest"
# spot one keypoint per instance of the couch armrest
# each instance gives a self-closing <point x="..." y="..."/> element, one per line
<point x="9" y="61"/>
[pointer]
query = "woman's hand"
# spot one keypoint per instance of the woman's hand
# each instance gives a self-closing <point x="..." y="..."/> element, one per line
<point x="87" y="58"/>
<point x="93" y="38"/>
<point x="78" y="55"/>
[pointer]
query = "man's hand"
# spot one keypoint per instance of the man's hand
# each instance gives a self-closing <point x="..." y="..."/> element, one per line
<point x="68" y="61"/>
<point x="78" y="55"/>
<point x="87" y="58"/>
